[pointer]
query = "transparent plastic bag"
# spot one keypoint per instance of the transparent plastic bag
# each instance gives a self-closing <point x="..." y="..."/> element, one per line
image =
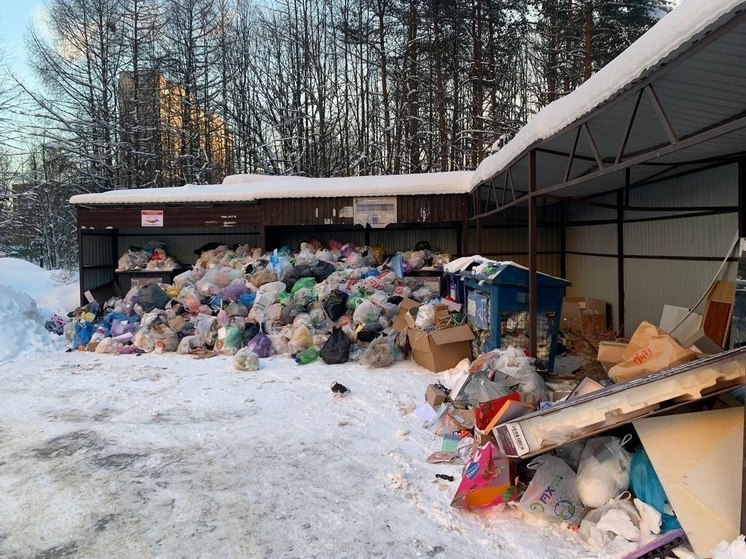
<point x="379" y="353"/>
<point x="246" y="360"/>
<point x="425" y="317"/>
<point x="603" y="472"/>
<point x="301" y="339"/>
<point x="366" y="312"/>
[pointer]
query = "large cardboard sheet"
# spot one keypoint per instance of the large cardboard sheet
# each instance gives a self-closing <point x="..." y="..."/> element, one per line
<point x="698" y="458"/>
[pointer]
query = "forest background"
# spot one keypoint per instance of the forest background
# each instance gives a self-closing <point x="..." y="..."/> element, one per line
<point x="156" y="93"/>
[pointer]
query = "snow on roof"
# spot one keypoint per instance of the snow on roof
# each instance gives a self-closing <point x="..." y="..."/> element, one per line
<point x="244" y="188"/>
<point x="647" y="53"/>
<point x="249" y="178"/>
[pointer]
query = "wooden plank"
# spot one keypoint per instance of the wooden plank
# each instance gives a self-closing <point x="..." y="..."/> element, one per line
<point x="719" y="312"/>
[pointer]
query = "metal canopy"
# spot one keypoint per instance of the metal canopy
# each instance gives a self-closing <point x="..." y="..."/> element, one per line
<point x="689" y="112"/>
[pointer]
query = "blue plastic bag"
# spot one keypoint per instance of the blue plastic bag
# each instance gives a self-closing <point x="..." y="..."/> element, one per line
<point x="247" y="299"/>
<point x="644" y="483"/>
<point x="83" y="333"/>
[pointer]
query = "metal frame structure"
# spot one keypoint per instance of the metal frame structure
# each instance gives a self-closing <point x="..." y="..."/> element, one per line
<point x="571" y="175"/>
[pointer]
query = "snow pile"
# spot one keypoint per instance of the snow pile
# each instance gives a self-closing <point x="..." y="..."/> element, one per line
<point x="22" y="326"/>
<point x="41" y="285"/>
<point x="642" y="57"/>
<point x="29" y="296"/>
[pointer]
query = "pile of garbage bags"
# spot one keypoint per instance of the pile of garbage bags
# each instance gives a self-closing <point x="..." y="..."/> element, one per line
<point x="331" y="302"/>
<point x="152" y="256"/>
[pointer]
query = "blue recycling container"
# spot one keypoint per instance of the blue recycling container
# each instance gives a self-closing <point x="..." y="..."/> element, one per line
<point x="496" y="306"/>
<point x="452" y="284"/>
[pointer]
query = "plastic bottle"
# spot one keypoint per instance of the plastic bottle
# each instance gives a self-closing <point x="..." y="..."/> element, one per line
<point x="307" y="356"/>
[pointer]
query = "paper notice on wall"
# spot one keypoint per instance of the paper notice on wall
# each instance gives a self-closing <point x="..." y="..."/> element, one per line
<point x="376" y="212"/>
<point x="151" y="218"/>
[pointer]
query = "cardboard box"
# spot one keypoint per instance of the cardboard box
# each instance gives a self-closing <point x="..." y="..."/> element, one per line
<point x="441" y="349"/>
<point x="434" y="395"/>
<point x="406" y="307"/>
<point x="482" y="437"/>
<point x="583" y="314"/>
<point x="610" y="354"/>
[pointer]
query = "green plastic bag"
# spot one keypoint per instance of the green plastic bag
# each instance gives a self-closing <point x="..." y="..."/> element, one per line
<point x="353" y="302"/>
<point x="304" y="282"/>
<point x="229" y="340"/>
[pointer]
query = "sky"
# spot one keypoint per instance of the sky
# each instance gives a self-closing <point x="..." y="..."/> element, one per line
<point x="15" y="18"/>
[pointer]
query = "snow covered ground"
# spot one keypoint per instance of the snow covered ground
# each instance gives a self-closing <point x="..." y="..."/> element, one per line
<point x="165" y="455"/>
<point x="171" y="456"/>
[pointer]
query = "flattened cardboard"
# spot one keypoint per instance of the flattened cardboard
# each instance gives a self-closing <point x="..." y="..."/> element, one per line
<point x="699" y="342"/>
<point x="674" y="322"/>
<point x="441" y="349"/>
<point x="583" y="313"/>
<point x="701" y="483"/>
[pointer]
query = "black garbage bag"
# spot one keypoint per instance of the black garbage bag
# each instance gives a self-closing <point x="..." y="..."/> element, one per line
<point x="336" y="304"/>
<point x="395" y="299"/>
<point x="370" y="332"/>
<point x="336" y="350"/>
<point x="319" y="271"/>
<point x="251" y="330"/>
<point x="152" y="297"/>
<point x="322" y="270"/>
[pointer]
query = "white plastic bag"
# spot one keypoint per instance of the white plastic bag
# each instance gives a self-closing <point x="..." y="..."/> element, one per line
<point x="425" y="317"/>
<point x="613" y="525"/>
<point x="551" y="493"/>
<point x="603" y="472"/>
<point x="273" y="288"/>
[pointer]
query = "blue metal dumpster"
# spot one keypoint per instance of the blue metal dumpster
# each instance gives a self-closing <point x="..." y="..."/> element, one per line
<point x="496" y="307"/>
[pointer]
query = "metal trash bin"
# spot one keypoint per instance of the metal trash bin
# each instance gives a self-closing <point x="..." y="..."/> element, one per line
<point x="496" y="306"/>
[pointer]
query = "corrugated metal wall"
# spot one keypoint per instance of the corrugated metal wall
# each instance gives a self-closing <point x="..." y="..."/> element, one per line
<point x="652" y="282"/>
<point x="392" y="239"/>
<point x="97" y="259"/>
<point x="511" y="243"/>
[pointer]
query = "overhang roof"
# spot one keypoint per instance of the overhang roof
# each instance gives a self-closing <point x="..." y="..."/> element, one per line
<point x="250" y="188"/>
<point x="672" y="101"/>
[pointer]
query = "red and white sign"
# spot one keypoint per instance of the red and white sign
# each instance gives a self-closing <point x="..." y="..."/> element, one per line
<point x="151" y="218"/>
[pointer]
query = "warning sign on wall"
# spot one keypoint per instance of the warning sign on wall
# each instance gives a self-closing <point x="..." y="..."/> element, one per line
<point x="151" y="218"/>
<point x="376" y="212"/>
